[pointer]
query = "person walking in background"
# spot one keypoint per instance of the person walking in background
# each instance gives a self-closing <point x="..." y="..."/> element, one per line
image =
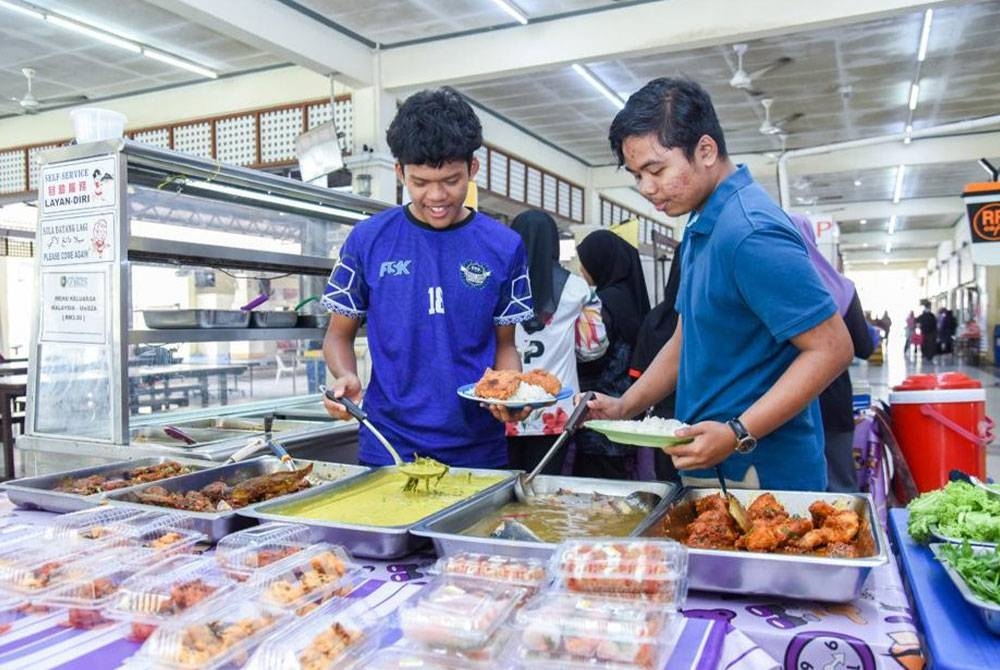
<point x="553" y="340"/>
<point x="947" y="325"/>
<point x="928" y="332"/>
<point x="612" y="265"/>
<point x="911" y="330"/>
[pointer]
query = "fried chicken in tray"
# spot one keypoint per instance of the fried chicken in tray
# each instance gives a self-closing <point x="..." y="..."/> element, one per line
<point x="829" y="531"/>
<point x="220" y="496"/>
<point x="503" y="384"/>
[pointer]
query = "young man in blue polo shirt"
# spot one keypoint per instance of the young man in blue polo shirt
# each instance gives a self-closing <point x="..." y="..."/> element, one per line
<point x="759" y="336"/>
<point x="441" y="287"/>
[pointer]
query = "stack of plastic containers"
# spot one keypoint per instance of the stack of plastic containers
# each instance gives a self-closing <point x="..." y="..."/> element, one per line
<point x="307" y="578"/>
<point x="241" y="554"/>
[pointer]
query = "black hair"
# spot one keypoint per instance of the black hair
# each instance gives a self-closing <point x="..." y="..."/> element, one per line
<point x="433" y="127"/>
<point x="679" y="111"/>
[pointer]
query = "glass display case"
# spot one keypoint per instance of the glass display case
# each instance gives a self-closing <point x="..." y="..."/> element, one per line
<point x="164" y="281"/>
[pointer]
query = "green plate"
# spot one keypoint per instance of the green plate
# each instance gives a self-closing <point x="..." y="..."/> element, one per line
<point x="615" y="432"/>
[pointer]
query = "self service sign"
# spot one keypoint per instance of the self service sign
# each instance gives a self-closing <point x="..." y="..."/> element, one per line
<point x="982" y="204"/>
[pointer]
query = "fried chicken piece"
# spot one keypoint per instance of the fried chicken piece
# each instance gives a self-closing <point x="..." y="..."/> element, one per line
<point x="546" y="380"/>
<point x="772" y="534"/>
<point x="839" y="526"/>
<point x="712" y="502"/>
<point x="713" y="529"/>
<point x="766" y="508"/>
<point x="498" y="384"/>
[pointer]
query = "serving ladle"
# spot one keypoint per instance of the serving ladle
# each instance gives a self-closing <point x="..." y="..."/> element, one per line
<point x="736" y="509"/>
<point x="522" y="485"/>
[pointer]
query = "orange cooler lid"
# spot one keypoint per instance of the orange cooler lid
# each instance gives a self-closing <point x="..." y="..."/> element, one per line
<point x="945" y="381"/>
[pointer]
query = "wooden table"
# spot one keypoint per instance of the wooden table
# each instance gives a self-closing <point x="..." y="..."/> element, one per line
<point x="200" y="373"/>
<point x="12" y="388"/>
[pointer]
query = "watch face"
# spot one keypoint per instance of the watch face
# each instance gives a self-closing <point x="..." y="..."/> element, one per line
<point x="746" y="445"/>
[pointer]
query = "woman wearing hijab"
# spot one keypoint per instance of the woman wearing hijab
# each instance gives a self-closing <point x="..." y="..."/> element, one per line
<point x="837" y="401"/>
<point x="567" y="326"/>
<point x="611" y="265"/>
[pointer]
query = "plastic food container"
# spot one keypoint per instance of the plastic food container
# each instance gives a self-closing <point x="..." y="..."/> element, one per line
<point x="649" y="569"/>
<point x="571" y="630"/>
<point x="163" y="533"/>
<point x="405" y="658"/>
<point x="212" y="637"/>
<point x="243" y="552"/>
<point x="334" y="637"/>
<point x="456" y="613"/>
<point x="93" y="124"/>
<point x="310" y="576"/>
<point x="31" y="568"/>
<point x="97" y="523"/>
<point x="167" y="590"/>
<point x="527" y="572"/>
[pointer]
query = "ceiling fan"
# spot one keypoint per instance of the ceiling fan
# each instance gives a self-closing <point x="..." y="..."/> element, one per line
<point x="768" y="127"/>
<point x="743" y="80"/>
<point x="31" y="105"/>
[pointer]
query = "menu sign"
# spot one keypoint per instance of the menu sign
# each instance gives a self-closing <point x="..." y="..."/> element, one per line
<point x="74" y="307"/>
<point x="79" y="185"/>
<point x="79" y="239"/>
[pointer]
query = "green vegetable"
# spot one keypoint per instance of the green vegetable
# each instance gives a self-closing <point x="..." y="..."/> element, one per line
<point x="959" y="510"/>
<point x="980" y="570"/>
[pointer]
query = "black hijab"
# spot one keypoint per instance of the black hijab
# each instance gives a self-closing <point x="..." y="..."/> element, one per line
<point x="615" y="267"/>
<point x="661" y="322"/>
<point x="548" y="278"/>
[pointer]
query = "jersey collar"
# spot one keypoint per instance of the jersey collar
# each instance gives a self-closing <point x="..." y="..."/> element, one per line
<point x="420" y="224"/>
<point x="704" y="221"/>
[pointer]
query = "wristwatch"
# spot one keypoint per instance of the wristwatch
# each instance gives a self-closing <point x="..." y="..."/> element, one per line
<point x="745" y="442"/>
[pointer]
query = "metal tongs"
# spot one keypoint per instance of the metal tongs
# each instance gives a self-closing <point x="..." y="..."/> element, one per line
<point x="267" y="441"/>
<point x="958" y="475"/>
<point x="522" y="485"/>
<point x="736" y="509"/>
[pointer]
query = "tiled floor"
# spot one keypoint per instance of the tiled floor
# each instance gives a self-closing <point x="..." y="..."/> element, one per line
<point x="896" y="368"/>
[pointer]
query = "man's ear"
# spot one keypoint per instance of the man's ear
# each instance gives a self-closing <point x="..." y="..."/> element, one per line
<point x="399" y="172"/>
<point x="473" y="168"/>
<point x="707" y="151"/>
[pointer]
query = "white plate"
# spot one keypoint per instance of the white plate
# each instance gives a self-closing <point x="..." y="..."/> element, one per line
<point x="468" y="392"/>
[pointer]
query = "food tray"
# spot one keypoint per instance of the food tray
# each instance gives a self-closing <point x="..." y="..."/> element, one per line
<point x="217" y="525"/>
<point x="445" y="529"/>
<point x="273" y="319"/>
<point x="989" y="612"/>
<point x="959" y="540"/>
<point x="366" y="540"/>
<point x="242" y="553"/>
<point x="39" y="492"/>
<point x="201" y="436"/>
<point x="311" y="576"/>
<point x="785" y="575"/>
<point x="196" y="318"/>
<point x="245" y="425"/>
<point x="313" y="321"/>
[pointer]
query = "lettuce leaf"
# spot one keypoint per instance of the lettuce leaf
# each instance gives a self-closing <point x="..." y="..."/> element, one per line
<point x="958" y="510"/>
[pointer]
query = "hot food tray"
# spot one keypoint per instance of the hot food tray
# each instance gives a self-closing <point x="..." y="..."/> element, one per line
<point x="273" y="319"/>
<point x="196" y="318"/>
<point x="246" y="425"/>
<point x="445" y="530"/>
<point x="361" y="539"/>
<point x="787" y="575"/>
<point x="201" y="436"/>
<point x="39" y="492"/>
<point x="219" y="524"/>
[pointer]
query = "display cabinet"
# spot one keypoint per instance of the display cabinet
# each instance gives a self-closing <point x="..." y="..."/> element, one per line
<point x="132" y="236"/>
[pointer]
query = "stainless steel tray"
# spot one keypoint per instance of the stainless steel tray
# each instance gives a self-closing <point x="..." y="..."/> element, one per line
<point x="446" y="529"/>
<point x="195" y="318"/>
<point x="253" y="425"/>
<point x="786" y="575"/>
<point x="39" y="492"/>
<point x="219" y="524"/>
<point x="201" y="436"/>
<point x="990" y="612"/>
<point x="313" y="321"/>
<point x="273" y="319"/>
<point x="936" y="533"/>
<point x="362" y="540"/>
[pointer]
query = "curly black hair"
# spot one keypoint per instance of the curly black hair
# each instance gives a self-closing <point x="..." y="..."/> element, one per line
<point x="679" y="111"/>
<point x="434" y="127"/>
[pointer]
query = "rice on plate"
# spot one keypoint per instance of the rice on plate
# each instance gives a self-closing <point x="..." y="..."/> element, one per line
<point x="651" y="425"/>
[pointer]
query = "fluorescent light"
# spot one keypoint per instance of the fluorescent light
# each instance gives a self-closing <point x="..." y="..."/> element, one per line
<point x="914" y="94"/>
<point x="897" y="192"/>
<point x="21" y="9"/>
<point x="908" y="136"/>
<point x="511" y="9"/>
<point x="275" y="200"/>
<point x="863" y="221"/>
<point x="888" y="247"/>
<point x="96" y="33"/>
<point x="599" y="85"/>
<point x="892" y="224"/>
<point x="179" y="62"/>
<point x="925" y="34"/>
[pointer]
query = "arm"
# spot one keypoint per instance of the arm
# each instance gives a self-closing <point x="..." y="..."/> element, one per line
<point x="824" y="352"/>
<point x="338" y="352"/>
<point x="858" y="328"/>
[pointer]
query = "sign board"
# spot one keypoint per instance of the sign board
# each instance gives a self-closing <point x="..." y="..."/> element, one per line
<point x="74" y="306"/>
<point x="87" y="238"/>
<point x="78" y="185"/>
<point x="827" y="238"/>
<point x="982" y="205"/>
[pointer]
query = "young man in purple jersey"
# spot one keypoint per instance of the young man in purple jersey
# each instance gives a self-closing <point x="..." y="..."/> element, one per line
<point x="440" y="287"/>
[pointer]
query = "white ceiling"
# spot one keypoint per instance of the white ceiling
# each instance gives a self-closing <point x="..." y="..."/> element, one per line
<point x="847" y="74"/>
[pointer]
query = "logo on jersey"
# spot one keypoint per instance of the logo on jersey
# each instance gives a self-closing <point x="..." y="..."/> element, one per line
<point x="394" y="268"/>
<point x="474" y="273"/>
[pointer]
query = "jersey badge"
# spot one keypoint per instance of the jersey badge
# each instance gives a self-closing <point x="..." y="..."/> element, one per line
<point x="475" y="274"/>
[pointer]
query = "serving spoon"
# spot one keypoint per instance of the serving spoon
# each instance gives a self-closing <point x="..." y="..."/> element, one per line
<point x="522" y="485"/>
<point x="736" y="509"/>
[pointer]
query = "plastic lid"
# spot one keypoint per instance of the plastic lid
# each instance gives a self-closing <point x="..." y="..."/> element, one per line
<point x="943" y="381"/>
<point x="241" y="553"/>
<point x="527" y="572"/>
<point x="311" y="575"/>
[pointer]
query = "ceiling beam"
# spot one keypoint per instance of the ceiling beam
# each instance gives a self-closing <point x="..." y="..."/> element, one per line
<point x="880" y="209"/>
<point x="278" y="29"/>
<point x="924" y="236"/>
<point x="652" y="27"/>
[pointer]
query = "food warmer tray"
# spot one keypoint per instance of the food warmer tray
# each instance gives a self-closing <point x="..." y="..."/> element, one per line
<point x="254" y="425"/>
<point x="273" y="319"/>
<point x="369" y="541"/>
<point x="313" y="321"/>
<point x="39" y="492"/>
<point x="445" y="529"/>
<point x="195" y="318"/>
<point x="785" y="575"/>
<point x="201" y="436"/>
<point x="219" y="524"/>
<point x="988" y="612"/>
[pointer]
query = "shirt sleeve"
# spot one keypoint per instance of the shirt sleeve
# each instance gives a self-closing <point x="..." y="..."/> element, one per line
<point x="779" y="283"/>
<point x="346" y="291"/>
<point x="515" y="304"/>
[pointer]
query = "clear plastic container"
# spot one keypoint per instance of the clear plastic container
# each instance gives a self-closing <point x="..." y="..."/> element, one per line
<point x="456" y="613"/>
<point x="10" y="610"/>
<point x="32" y="567"/>
<point x="650" y="569"/>
<point x="526" y="572"/>
<point x="246" y="551"/>
<point x="571" y="630"/>
<point x="112" y="524"/>
<point x="308" y="577"/>
<point x="211" y="638"/>
<point x="334" y="637"/>
<point x="167" y="590"/>
<point x="405" y="658"/>
<point x="490" y="654"/>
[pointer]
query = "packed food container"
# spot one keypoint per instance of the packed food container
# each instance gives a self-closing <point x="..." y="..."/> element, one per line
<point x="308" y="577"/>
<point x="454" y="613"/>
<point x="648" y="569"/>
<point x="525" y="572"/>
<point x="10" y="606"/>
<point x="574" y="630"/>
<point x="334" y="637"/>
<point x="161" y="532"/>
<point x="242" y="553"/>
<point x="31" y="568"/>
<point x="400" y="657"/>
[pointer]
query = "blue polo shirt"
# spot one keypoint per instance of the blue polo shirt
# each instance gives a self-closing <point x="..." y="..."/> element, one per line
<point x="748" y="287"/>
